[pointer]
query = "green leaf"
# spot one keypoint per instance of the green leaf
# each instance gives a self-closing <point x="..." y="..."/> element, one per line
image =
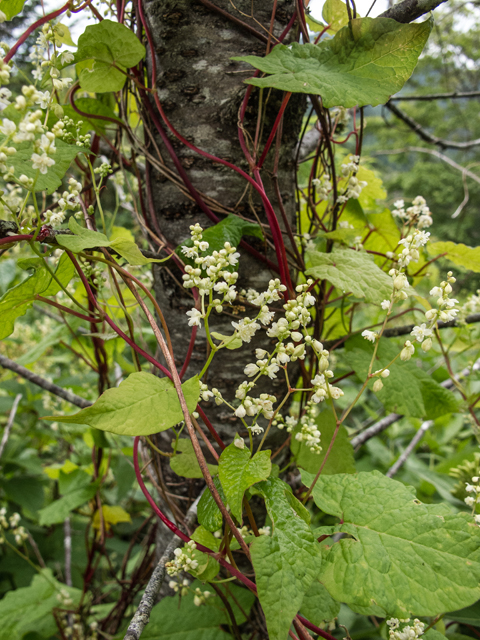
<point x="365" y="63"/>
<point x="351" y="272"/>
<point x="208" y="513"/>
<point x="15" y="302"/>
<point x="58" y="510"/>
<point x="286" y="564"/>
<point x="51" y="180"/>
<point x="84" y="238"/>
<point x="315" y="25"/>
<point x="29" y="609"/>
<point x="11" y="8"/>
<point x="318" y="606"/>
<point x="341" y="458"/>
<point x="179" y="619"/>
<point x="231" y="342"/>
<point x="408" y="390"/>
<point x="186" y="464"/>
<point x="468" y="615"/>
<point x="459" y="254"/>
<point x="206" y="538"/>
<point x="115" y="48"/>
<point x="231" y="229"/>
<point x="143" y="404"/>
<point x="238" y="471"/>
<point x="403" y="557"/>
<point x="335" y="14"/>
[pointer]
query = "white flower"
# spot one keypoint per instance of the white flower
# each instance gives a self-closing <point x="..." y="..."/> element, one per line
<point x="66" y="57"/>
<point x="246" y="328"/>
<point x="251" y="369"/>
<point x="43" y="99"/>
<point x="400" y="281"/>
<point x="42" y="162"/>
<point x="8" y="127"/>
<point x="265" y="316"/>
<point x="421" y="332"/>
<point x="369" y="335"/>
<point x="240" y="413"/>
<point x="195" y="317"/>
<point x="385" y="304"/>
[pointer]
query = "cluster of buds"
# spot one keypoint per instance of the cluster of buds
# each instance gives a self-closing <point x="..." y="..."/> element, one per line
<point x="180" y="586"/>
<point x="323" y="186"/>
<point x="418" y="214"/>
<point x="354" y="186"/>
<point x="399" y="629"/>
<point x="378" y="384"/>
<point x="473" y="500"/>
<point x="183" y="560"/>
<point x="11" y="525"/>
<point x="309" y="432"/>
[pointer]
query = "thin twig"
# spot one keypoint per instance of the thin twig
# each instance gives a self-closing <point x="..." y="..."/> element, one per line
<point x="425" y="135"/>
<point x="410" y="448"/>
<point x="439" y="96"/>
<point x="144" y="609"/>
<point x="65" y="394"/>
<point x="9" y="424"/>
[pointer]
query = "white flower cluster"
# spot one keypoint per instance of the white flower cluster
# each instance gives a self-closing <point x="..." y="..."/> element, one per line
<point x="64" y="598"/>
<point x="418" y="214"/>
<point x="473" y="500"/>
<point x="401" y="630"/>
<point x="200" y="597"/>
<point x="183" y="560"/>
<point x="67" y="201"/>
<point x="245" y="532"/>
<point x="323" y="186"/>
<point x="211" y="273"/>
<point x="43" y="58"/>
<point x="354" y="186"/>
<point x="11" y="525"/>
<point x="446" y="312"/>
<point x="309" y="432"/>
<point x="412" y="243"/>
<point x="180" y="586"/>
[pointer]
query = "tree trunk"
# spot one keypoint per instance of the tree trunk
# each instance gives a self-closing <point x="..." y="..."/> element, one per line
<point x="201" y="90"/>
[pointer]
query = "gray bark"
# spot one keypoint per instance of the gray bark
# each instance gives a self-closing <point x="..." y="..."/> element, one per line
<point x="201" y="90"/>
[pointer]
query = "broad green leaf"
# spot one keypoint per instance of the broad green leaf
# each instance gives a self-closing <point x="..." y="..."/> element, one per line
<point x="231" y="229"/>
<point x="207" y="567"/>
<point x="11" y="8"/>
<point x="206" y="538"/>
<point x="51" y="180"/>
<point x="15" y="302"/>
<point x="143" y="404"/>
<point x="351" y="272"/>
<point x="208" y="513"/>
<point x="459" y="254"/>
<point x="29" y="609"/>
<point x="408" y="390"/>
<point x="341" y="458"/>
<point x="231" y="342"/>
<point x="335" y="14"/>
<point x="238" y="471"/>
<point x="186" y="464"/>
<point x="110" y="515"/>
<point x="386" y="235"/>
<point x="84" y="238"/>
<point x="318" y="606"/>
<point x="364" y="64"/>
<point x="315" y="25"/>
<point x="63" y="35"/>
<point x="468" y="615"/>
<point x="58" y="510"/>
<point x="373" y="191"/>
<point x="177" y="618"/>
<point x="114" y="48"/>
<point x="286" y="564"/>
<point x="403" y="557"/>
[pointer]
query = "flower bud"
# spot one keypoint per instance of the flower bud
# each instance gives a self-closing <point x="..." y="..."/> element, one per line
<point x="377" y="385"/>
<point x="400" y="281"/>
<point x="427" y="344"/>
<point x="240" y="413"/>
<point x="323" y="364"/>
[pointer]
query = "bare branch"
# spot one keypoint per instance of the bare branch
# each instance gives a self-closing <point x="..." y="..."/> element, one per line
<point x="410" y="10"/>
<point x="144" y="609"/>
<point x="9" y="424"/>
<point x="425" y="135"/>
<point x="432" y="152"/>
<point x="439" y="96"/>
<point x="65" y="394"/>
<point x="410" y="448"/>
